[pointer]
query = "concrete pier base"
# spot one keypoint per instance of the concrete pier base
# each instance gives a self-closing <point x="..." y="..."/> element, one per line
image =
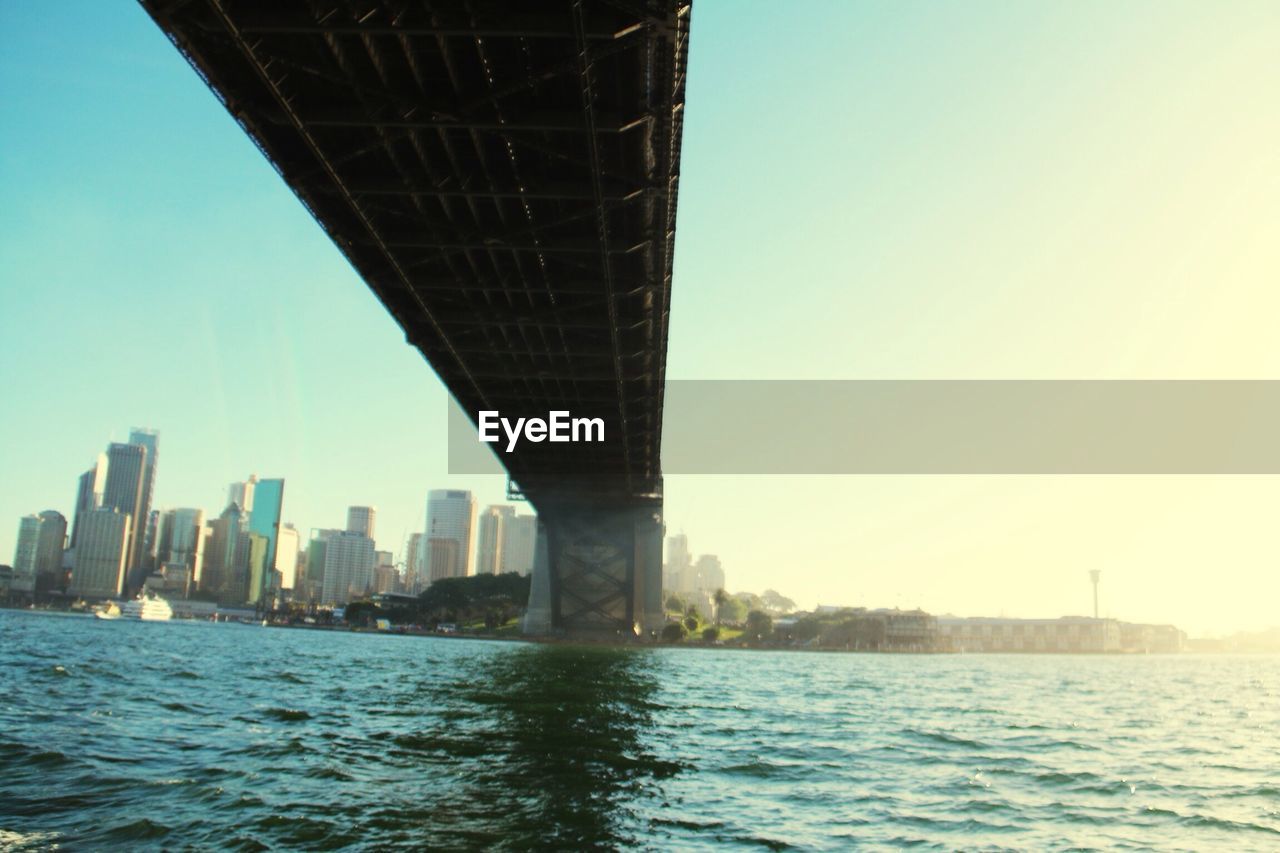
<point x="597" y="573"/>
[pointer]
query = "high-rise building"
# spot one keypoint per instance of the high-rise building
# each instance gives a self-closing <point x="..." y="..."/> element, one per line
<point x="225" y="575"/>
<point x="348" y="567"/>
<point x="449" y="533"/>
<point x="708" y="574"/>
<point x="151" y="541"/>
<point x="443" y="557"/>
<point x="50" y="544"/>
<point x="89" y="491"/>
<point x="360" y="520"/>
<point x="386" y="578"/>
<point x="287" y="556"/>
<point x="519" y="543"/>
<point x="101" y="553"/>
<point x="678" y="573"/>
<point x="126" y="475"/>
<point x="489" y="538"/>
<point x="241" y="494"/>
<point x="264" y="520"/>
<point x="258" y="576"/>
<point x="313" y="576"/>
<point x="181" y="540"/>
<point x="414" y="567"/>
<point x="24" y="555"/>
<point x="142" y="521"/>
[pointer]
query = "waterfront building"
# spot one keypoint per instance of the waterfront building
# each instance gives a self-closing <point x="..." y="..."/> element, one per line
<point x="489" y="538"/>
<point x="348" y="567"/>
<point x="37" y="558"/>
<point x="519" y="543"/>
<point x="1151" y="639"/>
<point x="360" y="519"/>
<point x="1067" y="634"/>
<point x="101" y="554"/>
<point x="89" y="491"/>
<point x="450" y="530"/>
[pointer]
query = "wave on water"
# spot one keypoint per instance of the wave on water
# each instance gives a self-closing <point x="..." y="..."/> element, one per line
<point x="257" y="740"/>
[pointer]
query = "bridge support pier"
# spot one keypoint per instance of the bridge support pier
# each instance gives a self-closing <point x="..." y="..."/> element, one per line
<point x="597" y="573"/>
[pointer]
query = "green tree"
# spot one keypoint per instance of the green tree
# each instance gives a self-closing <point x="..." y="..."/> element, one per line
<point x="691" y="621"/>
<point x="711" y="634"/>
<point x="673" y="632"/>
<point x="721" y="599"/>
<point x="759" y="625"/>
<point x="732" y="612"/>
<point x="493" y="597"/>
<point x="776" y="601"/>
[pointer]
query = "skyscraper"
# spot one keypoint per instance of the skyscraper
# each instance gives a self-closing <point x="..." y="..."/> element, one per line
<point x="24" y="554"/>
<point x="519" y="540"/>
<point x="386" y="578"/>
<point x="258" y="577"/>
<point x="181" y="543"/>
<point x="489" y="538"/>
<point x="180" y="535"/>
<point x="678" y="573"/>
<point x="89" y="492"/>
<point x="708" y="574"/>
<point x="241" y="493"/>
<point x="226" y="558"/>
<point x="313" y="576"/>
<point x="449" y="533"/>
<point x="414" y="567"/>
<point x="287" y="556"/>
<point x="264" y="520"/>
<point x="360" y="519"/>
<point x="49" y="547"/>
<point x="150" y="439"/>
<point x="126" y="473"/>
<point x="101" y="553"/>
<point x="348" y="567"/>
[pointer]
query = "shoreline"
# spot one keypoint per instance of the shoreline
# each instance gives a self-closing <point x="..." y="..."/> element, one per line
<point x="641" y="644"/>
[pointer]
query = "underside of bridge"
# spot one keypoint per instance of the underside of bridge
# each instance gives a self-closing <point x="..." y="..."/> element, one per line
<point x="503" y="176"/>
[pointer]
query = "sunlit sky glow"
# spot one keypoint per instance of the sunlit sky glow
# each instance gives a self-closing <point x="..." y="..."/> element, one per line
<point x="869" y="190"/>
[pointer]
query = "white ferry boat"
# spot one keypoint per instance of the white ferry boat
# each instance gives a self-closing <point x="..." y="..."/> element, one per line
<point x="146" y="608"/>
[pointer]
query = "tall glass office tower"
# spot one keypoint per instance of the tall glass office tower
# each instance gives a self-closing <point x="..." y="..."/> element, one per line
<point x="150" y="439"/>
<point x="264" y="520"/>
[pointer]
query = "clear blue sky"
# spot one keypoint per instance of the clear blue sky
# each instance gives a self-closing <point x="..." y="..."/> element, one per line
<point x="869" y="190"/>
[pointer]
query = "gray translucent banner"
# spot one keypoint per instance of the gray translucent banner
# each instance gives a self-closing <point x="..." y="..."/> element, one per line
<point x="951" y="427"/>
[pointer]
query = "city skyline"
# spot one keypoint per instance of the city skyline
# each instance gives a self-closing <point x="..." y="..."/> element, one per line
<point x="922" y="233"/>
<point x="249" y="543"/>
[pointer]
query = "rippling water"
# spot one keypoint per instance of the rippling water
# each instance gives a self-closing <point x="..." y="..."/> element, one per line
<point x="197" y="735"/>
